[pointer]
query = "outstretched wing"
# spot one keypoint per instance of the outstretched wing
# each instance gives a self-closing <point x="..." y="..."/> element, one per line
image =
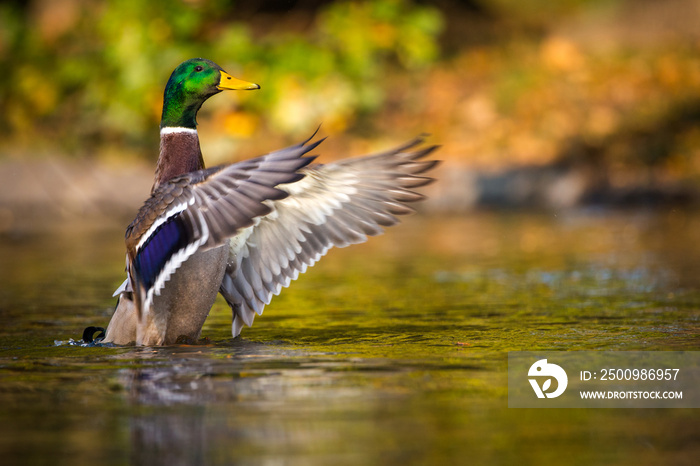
<point x="200" y="210"/>
<point x="337" y="204"/>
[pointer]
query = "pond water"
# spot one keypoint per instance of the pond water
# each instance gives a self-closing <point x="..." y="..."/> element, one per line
<point x="391" y="352"/>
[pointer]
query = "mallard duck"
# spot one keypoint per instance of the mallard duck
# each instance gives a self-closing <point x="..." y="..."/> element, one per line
<point x="244" y="230"/>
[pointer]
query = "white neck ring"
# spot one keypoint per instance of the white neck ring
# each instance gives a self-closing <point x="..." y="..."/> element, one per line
<point x="177" y="129"/>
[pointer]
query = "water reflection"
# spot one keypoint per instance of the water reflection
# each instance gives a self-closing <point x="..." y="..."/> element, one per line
<point x="250" y="395"/>
<point x="225" y="373"/>
<point x="393" y="352"/>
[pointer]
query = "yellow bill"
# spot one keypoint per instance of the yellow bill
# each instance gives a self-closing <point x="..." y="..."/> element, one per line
<point x="228" y="82"/>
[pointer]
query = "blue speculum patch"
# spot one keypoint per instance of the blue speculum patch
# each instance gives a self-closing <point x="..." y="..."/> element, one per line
<point x="169" y="238"/>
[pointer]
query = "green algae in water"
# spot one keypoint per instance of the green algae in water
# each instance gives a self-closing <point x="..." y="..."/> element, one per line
<point x="392" y="352"/>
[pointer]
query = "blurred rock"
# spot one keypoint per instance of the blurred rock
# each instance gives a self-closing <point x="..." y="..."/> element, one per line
<point x="36" y="193"/>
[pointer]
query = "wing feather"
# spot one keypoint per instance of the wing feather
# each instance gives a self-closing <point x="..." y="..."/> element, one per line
<point x="337" y="204"/>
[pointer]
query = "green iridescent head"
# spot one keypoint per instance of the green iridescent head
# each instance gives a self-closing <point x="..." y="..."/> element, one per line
<point x="193" y="82"/>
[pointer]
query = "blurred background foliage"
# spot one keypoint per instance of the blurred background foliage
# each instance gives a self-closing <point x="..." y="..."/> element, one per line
<point x="609" y="84"/>
<point x="88" y="73"/>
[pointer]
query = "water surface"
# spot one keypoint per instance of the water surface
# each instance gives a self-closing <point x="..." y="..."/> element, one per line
<point x="392" y="352"/>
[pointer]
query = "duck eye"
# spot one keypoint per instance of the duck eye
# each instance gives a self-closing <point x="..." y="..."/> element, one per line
<point x="198" y="68"/>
